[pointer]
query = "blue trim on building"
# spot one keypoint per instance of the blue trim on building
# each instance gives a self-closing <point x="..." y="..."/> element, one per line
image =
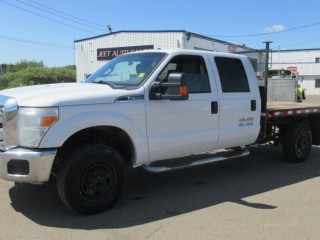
<point x="165" y="31"/>
<point x="135" y="31"/>
<point x="297" y="50"/>
<point x="295" y="63"/>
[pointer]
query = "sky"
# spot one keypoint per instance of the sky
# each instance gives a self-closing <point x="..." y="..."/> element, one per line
<point x="44" y="30"/>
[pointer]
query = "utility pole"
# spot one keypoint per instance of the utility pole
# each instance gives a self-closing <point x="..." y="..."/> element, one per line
<point x="265" y="100"/>
<point x="266" y="68"/>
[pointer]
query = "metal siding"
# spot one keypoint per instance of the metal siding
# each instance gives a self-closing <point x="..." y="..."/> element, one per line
<point x="211" y="45"/>
<point x="86" y="51"/>
<point x="309" y="84"/>
<point x="303" y="60"/>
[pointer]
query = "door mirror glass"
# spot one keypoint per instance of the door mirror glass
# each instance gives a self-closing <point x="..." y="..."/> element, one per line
<point x="176" y="88"/>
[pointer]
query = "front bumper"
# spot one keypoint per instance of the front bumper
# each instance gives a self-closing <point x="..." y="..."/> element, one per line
<point x="25" y="165"/>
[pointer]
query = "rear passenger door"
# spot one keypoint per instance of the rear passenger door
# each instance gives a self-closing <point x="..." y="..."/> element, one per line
<point x="239" y="102"/>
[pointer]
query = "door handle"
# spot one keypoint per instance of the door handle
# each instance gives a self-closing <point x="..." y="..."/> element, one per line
<point x="253" y="105"/>
<point x="214" y="107"/>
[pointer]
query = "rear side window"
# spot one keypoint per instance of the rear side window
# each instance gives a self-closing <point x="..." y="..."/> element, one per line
<point x="232" y="74"/>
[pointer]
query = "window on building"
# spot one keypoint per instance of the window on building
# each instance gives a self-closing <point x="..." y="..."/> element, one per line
<point x="194" y="67"/>
<point x="232" y="74"/>
<point x="317" y="83"/>
<point x="317" y="60"/>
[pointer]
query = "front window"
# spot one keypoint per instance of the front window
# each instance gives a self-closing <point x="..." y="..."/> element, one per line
<point x="128" y="70"/>
<point x="195" y="69"/>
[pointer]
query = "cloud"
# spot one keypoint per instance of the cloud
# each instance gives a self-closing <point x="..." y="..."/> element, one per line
<point x="275" y="28"/>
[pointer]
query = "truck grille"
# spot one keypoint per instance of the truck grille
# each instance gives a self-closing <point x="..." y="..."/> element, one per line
<point x="8" y="122"/>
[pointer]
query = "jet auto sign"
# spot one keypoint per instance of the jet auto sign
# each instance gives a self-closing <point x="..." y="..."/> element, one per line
<point x="110" y="53"/>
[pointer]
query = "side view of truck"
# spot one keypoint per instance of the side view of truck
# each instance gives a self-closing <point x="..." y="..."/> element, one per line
<point x="160" y="109"/>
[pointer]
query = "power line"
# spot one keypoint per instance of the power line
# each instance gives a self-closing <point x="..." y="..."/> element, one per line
<point x="25" y="10"/>
<point x="100" y="29"/>
<point x="267" y="33"/>
<point x="68" y="19"/>
<point x="52" y="9"/>
<point x="35" y="42"/>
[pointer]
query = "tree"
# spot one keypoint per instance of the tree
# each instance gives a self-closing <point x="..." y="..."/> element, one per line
<point x="23" y="64"/>
<point x="27" y="73"/>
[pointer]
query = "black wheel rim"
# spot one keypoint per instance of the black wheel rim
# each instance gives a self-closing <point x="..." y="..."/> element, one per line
<point x="302" y="146"/>
<point x="97" y="182"/>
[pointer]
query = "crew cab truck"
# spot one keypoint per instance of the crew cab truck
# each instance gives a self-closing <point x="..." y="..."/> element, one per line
<point x="161" y="110"/>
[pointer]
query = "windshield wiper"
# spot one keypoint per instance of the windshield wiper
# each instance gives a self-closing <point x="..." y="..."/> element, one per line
<point x="109" y="84"/>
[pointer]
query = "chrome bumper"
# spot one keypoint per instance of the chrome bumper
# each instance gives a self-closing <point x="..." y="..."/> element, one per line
<point x="24" y="165"/>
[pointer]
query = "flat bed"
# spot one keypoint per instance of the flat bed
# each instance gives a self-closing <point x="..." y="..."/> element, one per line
<point x="276" y="109"/>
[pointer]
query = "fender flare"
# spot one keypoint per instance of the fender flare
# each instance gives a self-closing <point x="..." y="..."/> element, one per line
<point x="60" y="132"/>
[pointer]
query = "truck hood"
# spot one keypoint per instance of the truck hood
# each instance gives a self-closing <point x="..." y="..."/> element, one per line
<point x="65" y="94"/>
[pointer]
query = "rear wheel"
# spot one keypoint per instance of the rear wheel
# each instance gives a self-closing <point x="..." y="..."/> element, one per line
<point x="297" y="143"/>
<point x="91" y="179"/>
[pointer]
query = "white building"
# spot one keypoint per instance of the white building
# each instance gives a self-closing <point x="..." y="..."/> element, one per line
<point x="306" y="62"/>
<point x="92" y="53"/>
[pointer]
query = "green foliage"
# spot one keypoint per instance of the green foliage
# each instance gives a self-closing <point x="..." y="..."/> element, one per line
<point x="27" y="73"/>
<point x="23" y="64"/>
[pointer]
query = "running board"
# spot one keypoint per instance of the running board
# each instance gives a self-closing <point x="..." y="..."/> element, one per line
<point x="195" y="160"/>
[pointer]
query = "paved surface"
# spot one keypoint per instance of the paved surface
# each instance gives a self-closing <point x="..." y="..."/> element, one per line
<point x="312" y="99"/>
<point x="258" y="197"/>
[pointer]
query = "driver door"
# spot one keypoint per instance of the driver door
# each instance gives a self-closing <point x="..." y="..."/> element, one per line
<point x="182" y="128"/>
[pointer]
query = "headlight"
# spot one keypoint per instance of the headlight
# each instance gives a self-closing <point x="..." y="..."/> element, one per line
<point x="33" y="123"/>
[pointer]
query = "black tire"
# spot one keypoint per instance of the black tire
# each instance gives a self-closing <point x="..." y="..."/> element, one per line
<point x="297" y="143"/>
<point x="91" y="179"/>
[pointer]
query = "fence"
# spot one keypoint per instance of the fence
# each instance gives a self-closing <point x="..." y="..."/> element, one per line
<point x="279" y="88"/>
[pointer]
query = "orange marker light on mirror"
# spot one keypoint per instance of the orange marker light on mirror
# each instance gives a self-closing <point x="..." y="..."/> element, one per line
<point x="183" y="90"/>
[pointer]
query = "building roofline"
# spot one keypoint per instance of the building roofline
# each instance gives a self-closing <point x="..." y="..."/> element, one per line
<point x="297" y="50"/>
<point x="131" y="31"/>
<point x="218" y="40"/>
<point x="192" y="34"/>
<point x="163" y="31"/>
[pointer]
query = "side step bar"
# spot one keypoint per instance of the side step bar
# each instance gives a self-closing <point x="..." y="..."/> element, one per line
<point x="195" y="160"/>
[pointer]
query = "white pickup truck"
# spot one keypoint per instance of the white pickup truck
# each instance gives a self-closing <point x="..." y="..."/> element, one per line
<point x="162" y="110"/>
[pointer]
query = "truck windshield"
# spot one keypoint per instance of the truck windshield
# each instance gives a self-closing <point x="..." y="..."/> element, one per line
<point x="128" y="70"/>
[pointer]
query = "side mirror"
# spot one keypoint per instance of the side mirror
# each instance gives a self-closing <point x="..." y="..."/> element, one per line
<point x="175" y="89"/>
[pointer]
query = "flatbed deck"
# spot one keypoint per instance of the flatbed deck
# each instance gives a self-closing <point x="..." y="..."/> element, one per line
<point x="275" y="109"/>
<point x="276" y="106"/>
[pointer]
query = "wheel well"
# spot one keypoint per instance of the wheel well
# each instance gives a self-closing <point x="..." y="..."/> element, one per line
<point x="278" y="127"/>
<point x="315" y="129"/>
<point x="113" y="137"/>
<point x="311" y="120"/>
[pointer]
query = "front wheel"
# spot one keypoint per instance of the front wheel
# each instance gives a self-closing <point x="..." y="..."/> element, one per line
<point x="91" y="179"/>
<point x="297" y="143"/>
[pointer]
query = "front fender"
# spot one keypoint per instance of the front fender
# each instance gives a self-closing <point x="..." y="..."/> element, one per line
<point x="73" y="119"/>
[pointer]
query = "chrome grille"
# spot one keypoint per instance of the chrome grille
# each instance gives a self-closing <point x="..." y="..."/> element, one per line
<point x="8" y="122"/>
